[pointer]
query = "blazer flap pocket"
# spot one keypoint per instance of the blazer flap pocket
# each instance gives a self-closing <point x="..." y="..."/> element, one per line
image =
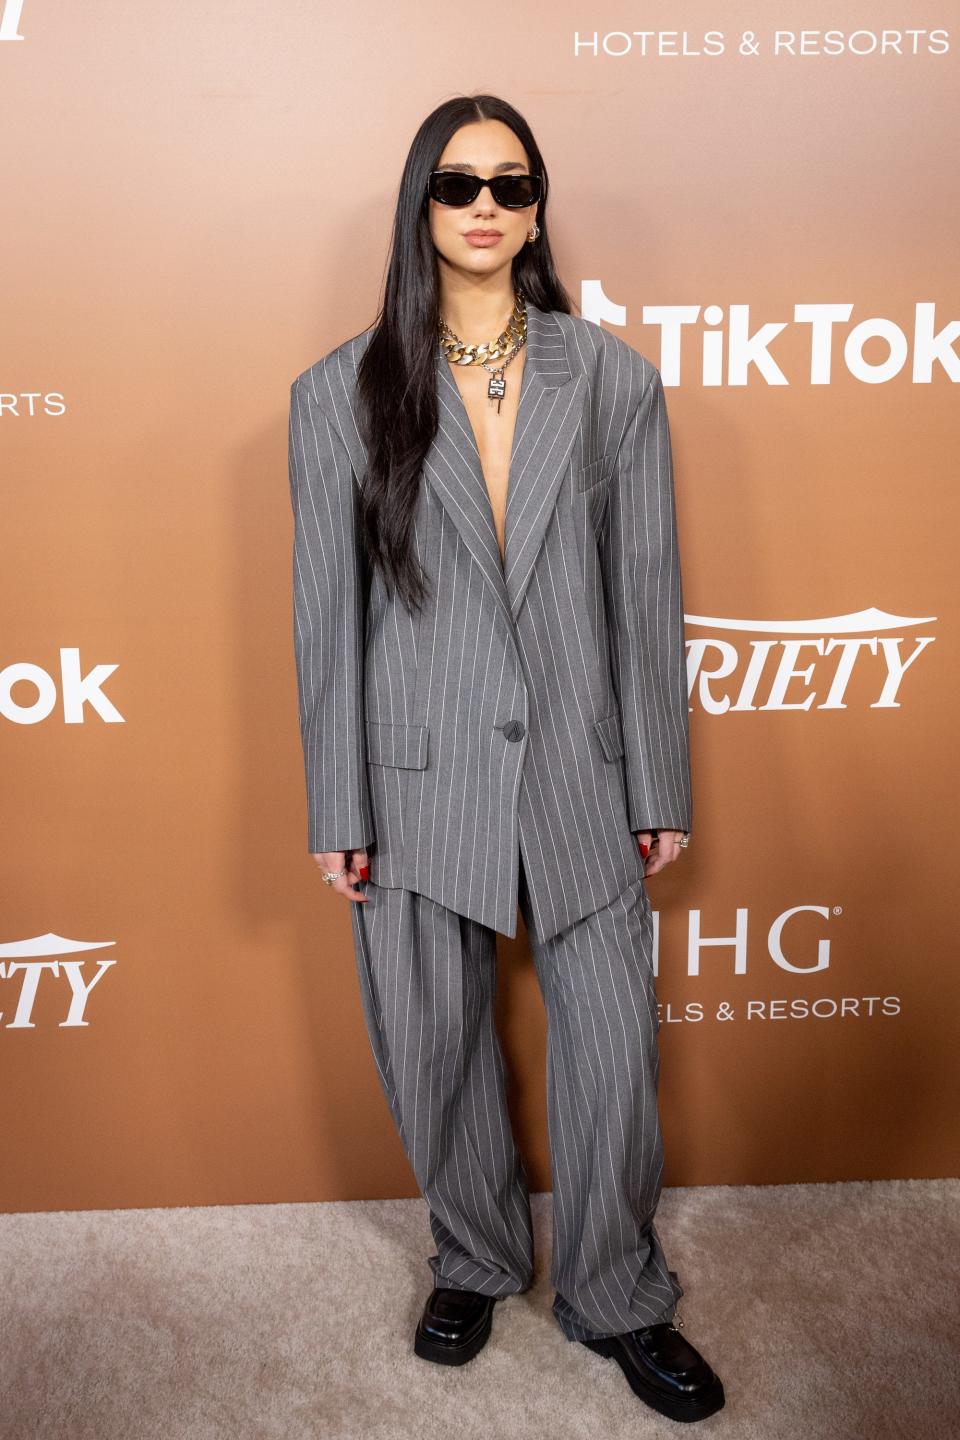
<point x="610" y="731"/>
<point x="592" y="472"/>
<point x="402" y="745"/>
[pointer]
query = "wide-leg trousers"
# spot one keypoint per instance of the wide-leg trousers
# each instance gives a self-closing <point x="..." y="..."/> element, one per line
<point x="427" y="980"/>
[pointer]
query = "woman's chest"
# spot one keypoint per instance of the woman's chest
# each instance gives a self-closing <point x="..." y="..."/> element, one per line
<point x="494" y="423"/>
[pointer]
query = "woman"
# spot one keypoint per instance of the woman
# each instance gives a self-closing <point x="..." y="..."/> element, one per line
<point x="493" y="707"/>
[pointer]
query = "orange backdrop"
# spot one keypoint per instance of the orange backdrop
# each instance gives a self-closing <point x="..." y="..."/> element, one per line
<point x="197" y="206"/>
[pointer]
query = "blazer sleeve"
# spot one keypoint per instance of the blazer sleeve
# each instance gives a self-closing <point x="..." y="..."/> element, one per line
<point x="328" y="624"/>
<point x="641" y="562"/>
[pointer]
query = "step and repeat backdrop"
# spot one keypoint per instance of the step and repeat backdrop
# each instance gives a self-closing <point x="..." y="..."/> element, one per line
<point x="197" y="206"/>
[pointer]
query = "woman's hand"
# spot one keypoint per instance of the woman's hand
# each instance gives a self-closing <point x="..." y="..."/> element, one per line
<point x="659" y="852"/>
<point x="357" y="863"/>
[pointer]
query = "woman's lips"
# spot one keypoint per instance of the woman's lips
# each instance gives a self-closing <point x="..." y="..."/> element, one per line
<point x="483" y="239"/>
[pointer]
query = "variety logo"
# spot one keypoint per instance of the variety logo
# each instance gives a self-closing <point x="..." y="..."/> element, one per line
<point x="807" y="664"/>
<point x="42" y="959"/>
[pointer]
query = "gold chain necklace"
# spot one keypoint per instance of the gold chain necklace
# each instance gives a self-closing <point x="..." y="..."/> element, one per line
<point x="513" y="338"/>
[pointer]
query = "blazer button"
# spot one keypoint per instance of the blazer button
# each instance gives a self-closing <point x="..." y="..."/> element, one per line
<point x="513" y="730"/>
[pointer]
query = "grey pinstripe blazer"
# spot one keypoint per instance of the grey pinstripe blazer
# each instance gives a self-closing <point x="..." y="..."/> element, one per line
<point x="539" y="703"/>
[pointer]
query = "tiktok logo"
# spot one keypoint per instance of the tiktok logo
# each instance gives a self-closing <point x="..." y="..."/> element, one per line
<point x="730" y="350"/>
<point x="78" y="693"/>
<point x="10" y="20"/>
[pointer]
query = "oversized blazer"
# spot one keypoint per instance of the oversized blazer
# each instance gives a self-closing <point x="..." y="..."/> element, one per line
<point x="536" y="705"/>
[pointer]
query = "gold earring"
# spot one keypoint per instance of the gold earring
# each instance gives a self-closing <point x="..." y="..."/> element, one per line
<point x="532" y="235"/>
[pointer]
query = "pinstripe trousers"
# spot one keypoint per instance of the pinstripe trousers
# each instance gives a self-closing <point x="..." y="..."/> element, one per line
<point x="427" y="980"/>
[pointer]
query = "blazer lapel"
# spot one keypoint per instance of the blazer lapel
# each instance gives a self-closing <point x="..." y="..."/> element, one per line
<point x="547" y="421"/>
<point x="546" y="424"/>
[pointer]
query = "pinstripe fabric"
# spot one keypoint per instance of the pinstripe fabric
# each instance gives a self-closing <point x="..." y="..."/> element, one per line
<point x="328" y="619"/>
<point x="427" y="980"/>
<point x="537" y="706"/>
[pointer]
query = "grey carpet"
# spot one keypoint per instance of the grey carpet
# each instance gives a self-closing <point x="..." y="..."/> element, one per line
<point x="830" y="1312"/>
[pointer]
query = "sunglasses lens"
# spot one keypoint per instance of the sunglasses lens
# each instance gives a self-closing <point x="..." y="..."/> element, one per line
<point x="455" y="187"/>
<point x="452" y="187"/>
<point x="516" y="191"/>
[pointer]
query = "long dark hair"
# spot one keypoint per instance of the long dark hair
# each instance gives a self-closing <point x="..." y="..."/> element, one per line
<point x="396" y="379"/>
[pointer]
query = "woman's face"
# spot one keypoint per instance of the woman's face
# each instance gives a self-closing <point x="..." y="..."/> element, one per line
<point x="488" y="148"/>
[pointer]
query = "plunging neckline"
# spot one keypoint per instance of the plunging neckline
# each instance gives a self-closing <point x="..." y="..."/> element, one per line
<point x="513" y="443"/>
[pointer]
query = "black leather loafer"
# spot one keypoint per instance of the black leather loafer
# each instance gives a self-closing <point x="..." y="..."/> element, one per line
<point x="455" y="1324"/>
<point x="665" y="1371"/>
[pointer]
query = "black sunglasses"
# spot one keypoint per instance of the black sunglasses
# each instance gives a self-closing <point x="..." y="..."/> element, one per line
<point x="456" y="187"/>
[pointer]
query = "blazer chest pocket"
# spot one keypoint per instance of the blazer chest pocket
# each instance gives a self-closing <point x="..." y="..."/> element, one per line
<point x="405" y="746"/>
<point x="593" y="472"/>
<point x="610" y="733"/>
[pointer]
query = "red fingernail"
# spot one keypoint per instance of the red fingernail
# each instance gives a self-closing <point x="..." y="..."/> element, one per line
<point x="644" y="849"/>
<point x="364" y="872"/>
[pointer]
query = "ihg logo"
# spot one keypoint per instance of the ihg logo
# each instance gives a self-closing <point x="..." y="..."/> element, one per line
<point x="10" y="15"/>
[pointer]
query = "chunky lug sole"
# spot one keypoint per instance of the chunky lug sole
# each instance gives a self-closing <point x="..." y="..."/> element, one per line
<point x="675" y="1407"/>
<point x="447" y="1353"/>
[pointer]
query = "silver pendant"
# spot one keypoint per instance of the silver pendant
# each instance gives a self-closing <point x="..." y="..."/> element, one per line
<point x="497" y="387"/>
